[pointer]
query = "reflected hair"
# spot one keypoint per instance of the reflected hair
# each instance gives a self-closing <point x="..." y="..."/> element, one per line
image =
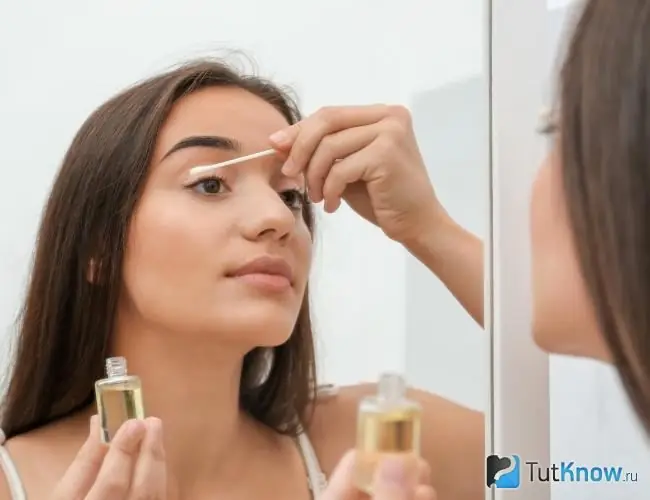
<point x="604" y="143"/>
<point x="66" y="322"/>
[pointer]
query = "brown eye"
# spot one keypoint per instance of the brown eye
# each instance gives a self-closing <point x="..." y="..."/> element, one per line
<point x="209" y="186"/>
<point x="547" y="123"/>
<point x="293" y="198"/>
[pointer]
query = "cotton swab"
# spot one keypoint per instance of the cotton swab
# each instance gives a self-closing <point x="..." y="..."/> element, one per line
<point x="209" y="168"/>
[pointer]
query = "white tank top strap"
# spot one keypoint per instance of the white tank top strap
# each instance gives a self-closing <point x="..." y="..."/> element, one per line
<point x="317" y="480"/>
<point x="16" y="488"/>
<point x="327" y="391"/>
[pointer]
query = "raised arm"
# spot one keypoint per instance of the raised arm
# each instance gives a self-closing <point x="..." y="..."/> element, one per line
<point x="381" y="175"/>
<point x="455" y="256"/>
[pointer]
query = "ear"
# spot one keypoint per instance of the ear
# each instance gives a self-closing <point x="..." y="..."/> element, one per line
<point x="93" y="271"/>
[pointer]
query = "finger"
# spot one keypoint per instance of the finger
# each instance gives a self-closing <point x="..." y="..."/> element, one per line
<point x="425" y="492"/>
<point x="396" y="479"/>
<point x="352" y="169"/>
<point x="302" y="138"/>
<point x="114" y="478"/>
<point x="83" y="470"/>
<point x="424" y="472"/>
<point x="341" y="483"/>
<point x="337" y="118"/>
<point x="335" y="147"/>
<point x="150" y="479"/>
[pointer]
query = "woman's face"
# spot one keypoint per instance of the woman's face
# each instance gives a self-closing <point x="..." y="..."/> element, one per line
<point x="227" y="253"/>
<point x="563" y="318"/>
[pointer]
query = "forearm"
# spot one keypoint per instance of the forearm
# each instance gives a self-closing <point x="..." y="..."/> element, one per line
<point x="455" y="256"/>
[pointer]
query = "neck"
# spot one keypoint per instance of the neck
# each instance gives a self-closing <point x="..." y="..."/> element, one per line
<point x="192" y="385"/>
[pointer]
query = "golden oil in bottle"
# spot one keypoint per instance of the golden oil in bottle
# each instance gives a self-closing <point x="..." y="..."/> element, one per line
<point x="119" y="398"/>
<point x="388" y="424"/>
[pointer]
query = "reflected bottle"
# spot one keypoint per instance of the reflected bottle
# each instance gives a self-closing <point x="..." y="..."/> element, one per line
<point x="119" y="398"/>
<point x="388" y="424"/>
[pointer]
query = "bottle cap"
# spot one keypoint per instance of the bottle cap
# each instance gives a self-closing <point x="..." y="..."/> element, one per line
<point x="116" y="366"/>
<point x="391" y="386"/>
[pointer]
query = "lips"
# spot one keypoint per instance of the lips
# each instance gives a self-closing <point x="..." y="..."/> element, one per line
<point x="266" y="265"/>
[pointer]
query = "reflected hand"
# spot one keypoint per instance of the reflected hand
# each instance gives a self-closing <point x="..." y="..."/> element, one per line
<point x="131" y="466"/>
<point x="397" y="479"/>
<point x="367" y="156"/>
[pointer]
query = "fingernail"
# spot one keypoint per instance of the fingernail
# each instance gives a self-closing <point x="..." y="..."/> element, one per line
<point x="154" y="424"/>
<point x="155" y="428"/>
<point x="393" y="471"/>
<point x="94" y="426"/>
<point x="280" y="138"/>
<point x="287" y="168"/>
<point x="133" y="428"/>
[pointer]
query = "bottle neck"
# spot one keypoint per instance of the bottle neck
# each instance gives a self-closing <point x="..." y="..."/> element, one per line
<point x="116" y="367"/>
<point x="391" y="387"/>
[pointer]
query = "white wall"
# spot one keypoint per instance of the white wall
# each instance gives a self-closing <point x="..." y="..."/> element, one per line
<point x="591" y="419"/>
<point x="575" y="405"/>
<point x="61" y="59"/>
<point x="436" y="328"/>
<point x="519" y="418"/>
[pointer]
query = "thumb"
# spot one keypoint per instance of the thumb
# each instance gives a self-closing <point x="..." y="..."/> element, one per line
<point x="282" y="140"/>
<point x="394" y="480"/>
<point x="341" y="484"/>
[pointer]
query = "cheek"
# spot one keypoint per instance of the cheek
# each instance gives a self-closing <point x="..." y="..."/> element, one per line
<point x="167" y="267"/>
<point x="563" y="320"/>
<point x="303" y="251"/>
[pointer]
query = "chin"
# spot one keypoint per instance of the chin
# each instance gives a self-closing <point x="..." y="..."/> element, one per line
<point x="263" y="327"/>
<point x="542" y="340"/>
<point x="573" y="341"/>
<point x="549" y="334"/>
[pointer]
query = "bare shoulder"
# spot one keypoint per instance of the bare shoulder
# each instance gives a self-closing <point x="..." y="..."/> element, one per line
<point x="453" y="437"/>
<point x="42" y="456"/>
<point x="333" y="426"/>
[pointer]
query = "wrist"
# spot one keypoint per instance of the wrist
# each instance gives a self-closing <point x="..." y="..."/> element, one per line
<point x="434" y="233"/>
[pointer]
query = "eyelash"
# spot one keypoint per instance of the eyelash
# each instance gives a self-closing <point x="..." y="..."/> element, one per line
<point x="301" y="198"/>
<point x="548" y="125"/>
<point x="548" y="129"/>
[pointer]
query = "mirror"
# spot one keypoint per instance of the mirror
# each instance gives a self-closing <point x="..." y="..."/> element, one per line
<point x="375" y="307"/>
<point x="558" y="410"/>
<point x="612" y="436"/>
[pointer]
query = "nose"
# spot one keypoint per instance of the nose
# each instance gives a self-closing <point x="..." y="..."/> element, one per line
<point x="267" y="216"/>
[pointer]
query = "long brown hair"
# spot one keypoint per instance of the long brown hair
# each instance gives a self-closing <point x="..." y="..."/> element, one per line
<point x="604" y="126"/>
<point x="66" y="322"/>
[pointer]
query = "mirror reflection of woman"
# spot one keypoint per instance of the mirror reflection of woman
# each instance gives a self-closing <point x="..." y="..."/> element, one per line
<point x="590" y="199"/>
<point x="201" y="284"/>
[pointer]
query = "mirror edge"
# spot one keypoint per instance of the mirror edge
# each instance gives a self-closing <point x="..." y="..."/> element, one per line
<point x="518" y="369"/>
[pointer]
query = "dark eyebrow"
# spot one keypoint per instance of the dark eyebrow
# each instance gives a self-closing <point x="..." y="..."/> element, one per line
<point x="206" y="141"/>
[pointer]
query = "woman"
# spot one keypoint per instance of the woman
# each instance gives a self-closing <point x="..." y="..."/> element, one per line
<point x="201" y="283"/>
<point x="590" y="236"/>
<point x="590" y="239"/>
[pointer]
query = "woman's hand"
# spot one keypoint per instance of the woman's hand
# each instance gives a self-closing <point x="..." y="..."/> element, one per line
<point x="367" y="156"/>
<point x="396" y="479"/>
<point x="131" y="467"/>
